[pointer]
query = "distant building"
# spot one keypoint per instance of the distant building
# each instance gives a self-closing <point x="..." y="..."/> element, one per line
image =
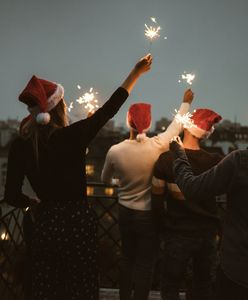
<point x="226" y="137"/>
<point x="161" y="125"/>
<point x="229" y="136"/>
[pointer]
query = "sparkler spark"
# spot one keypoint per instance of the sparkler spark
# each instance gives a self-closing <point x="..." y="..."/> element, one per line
<point x="153" y="20"/>
<point x="70" y="107"/>
<point x="184" y="119"/>
<point x="188" y="77"/>
<point x="152" y="32"/>
<point x="79" y="87"/>
<point x="90" y="101"/>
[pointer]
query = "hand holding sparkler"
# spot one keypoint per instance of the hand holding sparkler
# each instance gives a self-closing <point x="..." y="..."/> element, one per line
<point x="141" y="67"/>
<point x="185" y="119"/>
<point x="144" y="64"/>
<point x="188" y="96"/>
<point x="176" y="144"/>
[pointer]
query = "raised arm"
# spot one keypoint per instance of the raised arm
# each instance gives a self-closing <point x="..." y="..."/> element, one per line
<point x="215" y="181"/>
<point x="175" y="127"/>
<point x="15" y="176"/>
<point x="82" y="132"/>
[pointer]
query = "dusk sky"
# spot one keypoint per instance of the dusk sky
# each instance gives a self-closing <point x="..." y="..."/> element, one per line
<point x="96" y="43"/>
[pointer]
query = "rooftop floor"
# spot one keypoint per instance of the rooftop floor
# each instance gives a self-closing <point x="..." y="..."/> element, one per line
<point x="113" y="294"/>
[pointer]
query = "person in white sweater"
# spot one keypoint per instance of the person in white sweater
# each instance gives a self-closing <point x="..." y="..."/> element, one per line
<point x="132" y="162"/>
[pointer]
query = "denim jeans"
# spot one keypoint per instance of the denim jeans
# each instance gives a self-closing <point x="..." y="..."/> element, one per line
<point x="140" y="244"/>
<point x="178" y="252"/>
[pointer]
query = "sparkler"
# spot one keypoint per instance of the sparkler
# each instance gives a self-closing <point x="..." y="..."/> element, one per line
<point x="70" y="107"/>
<point x="89" y="100"/>
<point x="188" y="77"/>
<point x="152" y="32"/>
<point x="184" y="119"/>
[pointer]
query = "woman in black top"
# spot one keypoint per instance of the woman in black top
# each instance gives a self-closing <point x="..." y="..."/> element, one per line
<point x="52" y="156"/>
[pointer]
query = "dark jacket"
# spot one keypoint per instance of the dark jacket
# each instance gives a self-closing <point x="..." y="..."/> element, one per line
<point x="60" y="174"/>
<point x="230" y="176"/>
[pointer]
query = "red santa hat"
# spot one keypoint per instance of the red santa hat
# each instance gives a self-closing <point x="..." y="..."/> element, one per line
<point x="41" y="96"/>
<point x="203" y="122"/>
<point x="139" y="117"/>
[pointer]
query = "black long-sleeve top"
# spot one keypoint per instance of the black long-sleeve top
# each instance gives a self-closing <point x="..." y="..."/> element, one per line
<point x="230" y="176"/>
<point x="60" y="172"/>
<point x="189" y="217"/>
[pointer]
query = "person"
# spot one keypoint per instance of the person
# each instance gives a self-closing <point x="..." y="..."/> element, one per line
<point x="131" y="163"/>
<point x="229" y="176"/>
<point x="51" y="155"/>
<point x="188" y="228"/>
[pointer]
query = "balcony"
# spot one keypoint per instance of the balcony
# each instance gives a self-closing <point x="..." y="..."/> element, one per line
<point x="104" y="201"/>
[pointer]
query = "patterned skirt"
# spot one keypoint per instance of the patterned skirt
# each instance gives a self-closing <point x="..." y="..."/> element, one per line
<point x="64" y="253"/>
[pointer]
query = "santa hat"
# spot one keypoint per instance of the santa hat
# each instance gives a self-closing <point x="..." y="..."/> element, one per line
<point x="203" y="122"/>
<point x="139" y="118"/>
<point x="41" y="96"/>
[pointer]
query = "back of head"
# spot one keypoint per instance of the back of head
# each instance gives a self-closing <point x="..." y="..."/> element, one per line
<point x="44" y="100"/>
<point x="203" y="121"/>
<point x="139" y="119"/>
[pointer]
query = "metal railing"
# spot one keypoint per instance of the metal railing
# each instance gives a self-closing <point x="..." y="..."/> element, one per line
<point x="13" y="270"/>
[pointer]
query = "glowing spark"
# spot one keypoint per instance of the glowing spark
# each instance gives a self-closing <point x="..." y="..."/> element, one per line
<point x="188" y="77"/>
<point x="152" y="32"/>
<point x="79" y="87"/>
<point x="90" y="101"/>
<point x="153" y="20"/>
<point x="184" y="119"/>
<point x="70" y="107"/>
<point x="4" y="236"/>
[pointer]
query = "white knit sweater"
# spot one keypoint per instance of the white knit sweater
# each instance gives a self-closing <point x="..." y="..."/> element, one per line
<point x="132" y="162"/>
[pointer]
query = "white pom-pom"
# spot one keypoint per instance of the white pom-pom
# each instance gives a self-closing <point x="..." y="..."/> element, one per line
<point x="141" y="137"/>
<point x="43" y="118"/>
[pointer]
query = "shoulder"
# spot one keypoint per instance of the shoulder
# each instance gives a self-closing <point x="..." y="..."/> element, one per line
<point x="215" y="157"/>
<point x="239" y="156"/>
<point x="165" y="156"/>
<point x="163" y="164"/>
<point x="115" y="149"/>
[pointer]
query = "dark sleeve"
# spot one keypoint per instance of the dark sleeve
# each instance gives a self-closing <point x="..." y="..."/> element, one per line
<point x="15" y="175"/>
<point x="159" y="170"/>
<point x="82" y="132"/>
<point x="158" y="199"/>
<point x="215" y="181"/>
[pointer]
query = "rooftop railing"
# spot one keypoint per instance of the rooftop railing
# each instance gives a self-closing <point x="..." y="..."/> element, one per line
<point x="13" y="262"/>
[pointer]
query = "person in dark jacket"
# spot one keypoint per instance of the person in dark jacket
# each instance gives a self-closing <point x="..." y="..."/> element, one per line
<point x="52" y="156"/>
<point x="230" y="176"/>
<point x="188" y="226"/>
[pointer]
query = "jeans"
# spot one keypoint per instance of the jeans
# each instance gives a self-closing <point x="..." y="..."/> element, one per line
<point x="140" y="244"/>
<point x="228" y="289"/>
<point x="178" y="252"/>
